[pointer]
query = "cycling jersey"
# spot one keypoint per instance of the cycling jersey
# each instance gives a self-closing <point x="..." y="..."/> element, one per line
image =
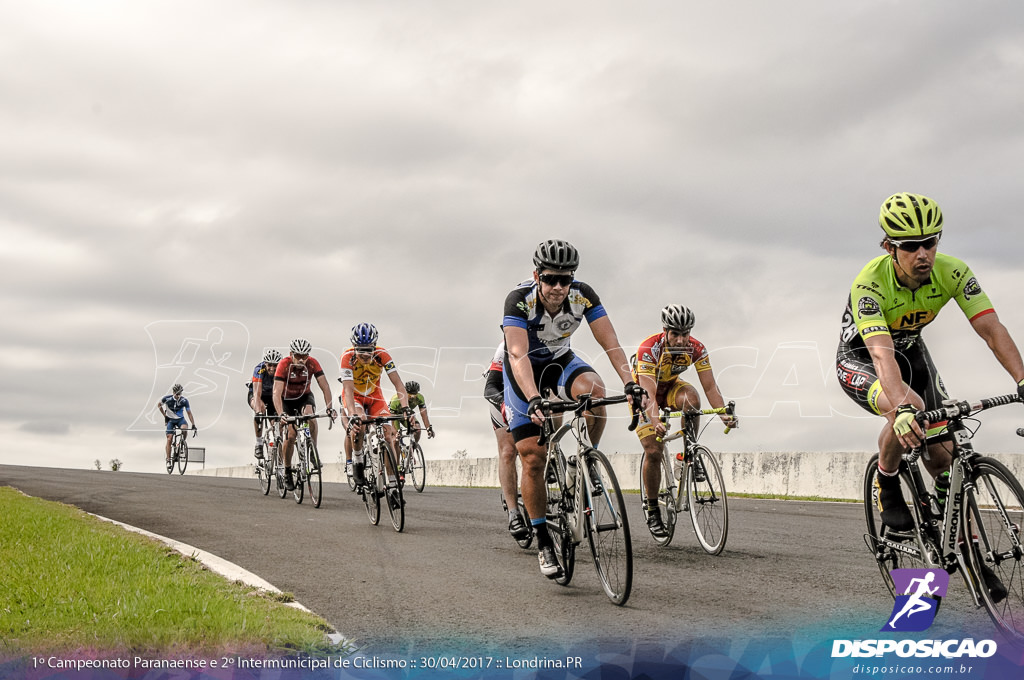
<point x="880" y="304"/>
<point x="297" y="378"/>
<point x="498" y="360"/>
<point x="365" y="375"/>
<point x="653" y="359"/>
<point x="263" y="380"/>
<point x="174" y="405"/>
<point x="415" y="401"/>
<point x="549" y="334"/>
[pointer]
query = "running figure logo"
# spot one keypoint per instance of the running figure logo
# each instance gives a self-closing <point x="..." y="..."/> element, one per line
<point x="922" y="591"/>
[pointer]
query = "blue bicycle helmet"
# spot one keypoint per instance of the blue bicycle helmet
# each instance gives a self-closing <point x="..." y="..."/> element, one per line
<point x="364" y="335"/>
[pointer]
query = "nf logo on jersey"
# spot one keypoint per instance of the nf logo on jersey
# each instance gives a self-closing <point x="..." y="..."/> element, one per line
<point x="918" y="594"/>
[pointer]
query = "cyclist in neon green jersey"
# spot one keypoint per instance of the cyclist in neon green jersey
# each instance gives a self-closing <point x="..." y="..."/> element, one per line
<point x="882" y="362"/>
<point x="416" y="399"/>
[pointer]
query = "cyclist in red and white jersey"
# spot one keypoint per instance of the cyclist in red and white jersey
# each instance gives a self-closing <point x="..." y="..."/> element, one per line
<point x="660" y="361"/>
<point x="293" y="394"/>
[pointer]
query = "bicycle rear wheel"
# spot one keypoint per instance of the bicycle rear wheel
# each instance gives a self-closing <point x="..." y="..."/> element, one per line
<point x="417" y="467"/>
<point x="393" y="494"/>
<point x="993" y="516"/>
<point x="557" y="524"/>
<point x="608" y="528"/>
<point x="313" y="481"/>
<point x="666" y="501"/>
<point x="182" y="456"/>
<point x="709" y="505"/>
<point x="880" y="538"/>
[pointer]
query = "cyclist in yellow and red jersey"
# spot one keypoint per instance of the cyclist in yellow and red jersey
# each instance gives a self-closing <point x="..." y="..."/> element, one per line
<point x="660" y="360"/>
<point x="882" y="362"/>
<point x="293" y="394"/>
<point x="361" y="368"/>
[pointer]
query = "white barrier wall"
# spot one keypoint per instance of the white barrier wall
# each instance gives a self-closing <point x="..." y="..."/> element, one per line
<point x="825" y="475"/>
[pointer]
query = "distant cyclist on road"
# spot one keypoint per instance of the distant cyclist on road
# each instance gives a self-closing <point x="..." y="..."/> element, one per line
<point x="261" y="394"/>
<point x="361" y="369"/>
<point x="293" y="395"/>
<point x="416" y="400"/>
<point x="174" y="407"/>
<point x="660" y="361"/>
<point x="540" y="316"/>
<point x="882" y="362"/>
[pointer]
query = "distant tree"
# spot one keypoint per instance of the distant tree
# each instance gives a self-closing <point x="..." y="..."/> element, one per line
<point x="115" y="464"/>
<point x="97" y="464"/>
<point x="460" y="454"/>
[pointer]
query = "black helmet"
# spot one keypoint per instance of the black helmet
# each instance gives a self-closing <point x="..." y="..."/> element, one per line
<point x="556" y="254"/>
<point x="412" y="387"/>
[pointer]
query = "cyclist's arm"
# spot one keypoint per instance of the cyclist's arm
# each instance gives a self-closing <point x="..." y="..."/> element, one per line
<point x="994" y="333"/>
<point x="423" y="414"/>
<point x="894" y="391"/>
<point x="348" y="396"/>
<point x="650" y="385"/>
<point x="518" y="344"/>
<point x="279" y="396"/>
<point x="192" y="420"/>
<point x="325" y="387"/>
<point x="714" y="395"/>
<point x="605" y="335"/>
<point x="403" y="396"/>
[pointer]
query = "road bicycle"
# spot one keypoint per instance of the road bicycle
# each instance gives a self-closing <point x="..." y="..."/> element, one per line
<point x="379" y="471"/>
<point x="179" y="450"/>
<point x="701" y="488"/>
<point x="985" y="501"/>
<point x="584" y="499"/>
<point x="410" y="459"/>
<point x="270" y="436"/>
<point x="306" y="465"/>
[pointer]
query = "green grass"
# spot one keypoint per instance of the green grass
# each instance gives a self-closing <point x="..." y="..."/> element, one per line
<point x="73" y="582"/>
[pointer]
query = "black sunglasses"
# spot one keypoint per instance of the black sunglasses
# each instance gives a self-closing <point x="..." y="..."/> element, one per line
<point x="908" y="246"/>
<point x="556" y="279"/>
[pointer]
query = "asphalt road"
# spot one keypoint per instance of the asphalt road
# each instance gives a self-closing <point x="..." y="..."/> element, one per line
<point x="454" y="580"/>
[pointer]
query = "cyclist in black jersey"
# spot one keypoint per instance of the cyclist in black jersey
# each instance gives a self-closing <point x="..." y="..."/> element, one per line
<point x="540" y="316"/>
<point x="882" y="362"/>
<point x="261" y="395"/>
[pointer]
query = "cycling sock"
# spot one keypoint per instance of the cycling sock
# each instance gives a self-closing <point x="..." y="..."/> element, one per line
<point x="652" y="505"/>
<point x="512" y="514"/>
<point x="357" y="456"/>
<point x="543" y="537"/>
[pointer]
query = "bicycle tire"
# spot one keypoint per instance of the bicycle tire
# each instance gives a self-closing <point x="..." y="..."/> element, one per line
<point x="170" y="460"/>
<point x="299" y="471"/>
<point x="371" y="499"/>
<point x="314" y="482"/>
<point x="417" y="467"/>
<point x="182" y="456"/>
<point x="887" y="557"/>
<point x="282" y="488"/>
<point x="557" y="523"/>
<point x="608" y="527"/>
<point x="524" y="543"/>
<point x="348" y="473"/>
<point x="265" y="471"/>
<point x="996" y="543"/>
<point x="392" y="494"/>
<point x="707" y="500"/>
<point x="666" y="502"/>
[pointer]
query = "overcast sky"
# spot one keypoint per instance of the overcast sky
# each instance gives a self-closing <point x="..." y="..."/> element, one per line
<point x="183" y="184"/>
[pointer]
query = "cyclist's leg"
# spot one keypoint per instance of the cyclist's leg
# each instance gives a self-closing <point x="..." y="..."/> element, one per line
<point x="508" y="474"/>
<point x="682" y="396"/>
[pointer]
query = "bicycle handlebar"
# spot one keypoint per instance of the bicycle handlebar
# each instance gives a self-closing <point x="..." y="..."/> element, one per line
<point x="729" y="409"/>
<point x="962" y="409"/>
<point x="584" y="403"/>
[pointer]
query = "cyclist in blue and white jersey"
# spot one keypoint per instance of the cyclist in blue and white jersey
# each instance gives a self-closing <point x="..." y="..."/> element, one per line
<point x="174" y="407"/>
<point x="540" y="316"/>
<point x="261" y="394"/>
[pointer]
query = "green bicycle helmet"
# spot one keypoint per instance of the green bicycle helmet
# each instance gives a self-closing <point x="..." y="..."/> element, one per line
<point x="906" y="215"/>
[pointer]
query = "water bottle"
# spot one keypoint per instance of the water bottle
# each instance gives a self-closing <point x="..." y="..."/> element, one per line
<point x="570" y="474"/>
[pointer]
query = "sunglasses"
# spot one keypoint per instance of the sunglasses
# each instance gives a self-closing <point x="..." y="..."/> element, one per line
<point x="365" y="350"/>
<point x="300" y="357"/>
<point x="556" y="279"/>
<point x="912" y="246"/>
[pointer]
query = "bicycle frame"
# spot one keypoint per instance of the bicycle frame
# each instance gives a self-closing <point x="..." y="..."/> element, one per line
<point x="688" y="416"/>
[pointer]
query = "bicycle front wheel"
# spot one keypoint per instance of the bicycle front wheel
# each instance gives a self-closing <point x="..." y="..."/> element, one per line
<point x="992" y="517"/>
<point x="313" y="482"/>
<point x="265" y="470"/>
<point x="417" y="467"/>
<point x="608" y="528"/>
<point x="709" y="506"/>
<point x="666" y="501"/>
<point x="371" y="497"/>
<point x="182" y="457"/>
<point x="393" y="493"/>
<point x="557" y="523"/>
<point x="880" y="538"/>
<point x="299" y="470"/>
